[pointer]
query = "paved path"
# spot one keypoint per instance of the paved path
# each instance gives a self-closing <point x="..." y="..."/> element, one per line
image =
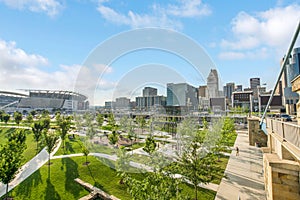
<point x="244" y="173"/>
<point x="29" y="168"/>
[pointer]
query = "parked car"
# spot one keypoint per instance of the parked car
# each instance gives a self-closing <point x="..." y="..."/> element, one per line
<point x="286" y="117"/>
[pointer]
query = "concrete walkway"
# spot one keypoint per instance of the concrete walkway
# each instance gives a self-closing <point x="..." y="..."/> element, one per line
<point x="29" y="168"/>
<point x="244" y="178"/>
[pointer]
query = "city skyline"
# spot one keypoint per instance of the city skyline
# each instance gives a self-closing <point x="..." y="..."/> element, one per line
<point x="43" y="45"/>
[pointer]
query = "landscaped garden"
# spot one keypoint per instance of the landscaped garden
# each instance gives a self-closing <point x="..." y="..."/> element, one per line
<point x="58" y="183"/>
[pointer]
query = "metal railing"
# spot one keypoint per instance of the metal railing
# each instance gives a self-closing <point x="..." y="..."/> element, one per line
<point x="289" y="132"/>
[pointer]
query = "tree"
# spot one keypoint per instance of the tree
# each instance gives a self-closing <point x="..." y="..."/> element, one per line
<point x="150" y="145"/>
<point x="29" y="119"/>
<point x="131" y="133"/>
<point x="85" y="152"/>
<point x="18" y="117"/>
<point x="159" y="185"/>
<point x="100" y="120"/>
<point x="37" y="128"/>
<point x="50" y="141"/>
<point x="6" y="118"/>
<point x="64" y="126"/>
<point x="113" y="138"/>
<point x="11" y="157"/>
<point x="1" y="115"/>
<point x="33" y="113"/>
<point x="141" y="122"/>
<point x="205" y="123"/>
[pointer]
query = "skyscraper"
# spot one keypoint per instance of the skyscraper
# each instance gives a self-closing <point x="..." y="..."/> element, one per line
<point x="182" y="94"/>
<point x="228" y="89"/>
<point x="254" y="82"/>
<point x="213" y="84"/>
<point x="149" y="91"/>
<point x="291" y="71"/>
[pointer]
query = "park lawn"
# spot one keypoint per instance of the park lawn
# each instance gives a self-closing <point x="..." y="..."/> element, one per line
<point x="72" y="146"/>
<point x="222" y="164"/>
<point x="97" y="148"/>
<point x="30" y="151"/>
<point x="61" y="184"/>
<point x="143" y="159"/>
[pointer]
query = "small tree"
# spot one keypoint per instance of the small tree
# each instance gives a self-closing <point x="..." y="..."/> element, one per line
<point x="50" y="141"/>
<point x="85" y="152"/>
<point x="64" y="126"/>
<point x="37" y="128"/>
<point x="100" y="120"/>
<point x="18" y="117"/>
<point x="113" y="138"/>
<point x="1" y="115"/>
<point x="150" y="145"/>
<point x="29" y="119"/>
<point x="6" y="118"/>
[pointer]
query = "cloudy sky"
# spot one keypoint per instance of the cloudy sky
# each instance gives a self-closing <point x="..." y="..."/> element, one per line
<point x="47" y="44"/>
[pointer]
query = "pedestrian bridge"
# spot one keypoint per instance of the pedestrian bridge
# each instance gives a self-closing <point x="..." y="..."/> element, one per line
<point x="281" y="156"/>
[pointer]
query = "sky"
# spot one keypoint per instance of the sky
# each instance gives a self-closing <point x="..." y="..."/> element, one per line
<point x="111" y="48"/>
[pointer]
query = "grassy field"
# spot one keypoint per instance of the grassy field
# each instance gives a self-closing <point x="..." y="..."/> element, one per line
<point x="30" y="151"/>
<point x="61" y="184"/>
<point x="71" y="146"/>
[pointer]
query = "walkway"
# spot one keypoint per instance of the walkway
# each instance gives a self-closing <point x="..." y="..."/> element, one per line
<point x="29" y="168"/>
<point x="244" y="173"/>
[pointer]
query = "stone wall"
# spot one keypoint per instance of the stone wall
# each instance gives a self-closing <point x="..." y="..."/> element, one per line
<point x="256" y="136"/>
<point x="281" y="178"/>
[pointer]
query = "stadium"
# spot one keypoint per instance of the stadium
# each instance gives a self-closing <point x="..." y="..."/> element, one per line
<point x="43" y="100"/>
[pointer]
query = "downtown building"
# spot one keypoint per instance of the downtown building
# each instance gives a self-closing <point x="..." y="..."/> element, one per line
<point x="150" y="100"/>
<point x="182" y="95"/>
<point x="292" y="70"/>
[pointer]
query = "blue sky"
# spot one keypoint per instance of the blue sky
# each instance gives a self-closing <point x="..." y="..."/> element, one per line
<point x="44" y="44"/>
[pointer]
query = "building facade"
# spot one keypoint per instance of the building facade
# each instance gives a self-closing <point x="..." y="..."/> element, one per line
<point x="291" y="71"/>
<point x="213" y="84"/>
<point x="182" y="94"/>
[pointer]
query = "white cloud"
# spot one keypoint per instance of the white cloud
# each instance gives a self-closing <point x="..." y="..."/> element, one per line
<point x="166" y="16"/>
<point x="189" y="8"/>
<point x="135" y="20"/>
<point x="235" y="55"/>
<point x="12" y="57"/>
<point x="50" y="7"/>
<point x="272" y="29"/>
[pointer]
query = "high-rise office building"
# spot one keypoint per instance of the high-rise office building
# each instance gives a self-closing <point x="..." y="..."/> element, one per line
<point x="149" y="91"/>
<point x="213" y="84"/>
<point x="203" y="91"/>
<point x="150" y="99"/>
<point x="239" y="88"/>
<point x="254" y="82"/>
<point x="182" y="94"/>
<point x="291" y="71"/>
<point x="228" y="89"/>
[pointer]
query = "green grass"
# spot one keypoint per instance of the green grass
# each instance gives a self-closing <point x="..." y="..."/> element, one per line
<point x="30" y="151"/>
<point x="140" y="158"/>
<point x="71" y="146"/>
<point x="135" y="146"/>
<point x="61" y="184"/>
<point x="222" y="164"/>
<point x="97" y="148"/>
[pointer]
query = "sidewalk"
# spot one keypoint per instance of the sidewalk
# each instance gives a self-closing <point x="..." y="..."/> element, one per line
<point x="29" y="168"/>
<point x="244" y="173"/>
